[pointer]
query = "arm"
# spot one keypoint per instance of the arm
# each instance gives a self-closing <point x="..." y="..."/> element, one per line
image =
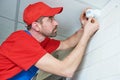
<point x="68" y="66"/>
<point x="71" y="41"/>
<point x="65" y="67"/>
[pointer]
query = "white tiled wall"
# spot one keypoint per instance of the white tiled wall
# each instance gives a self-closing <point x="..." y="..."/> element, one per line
<point x="6" y="27"/>
<point x="7" y="17"/>
<point x="101" y="61"/>
<point x="8" y="8"/>
<point x="21" y="26"/>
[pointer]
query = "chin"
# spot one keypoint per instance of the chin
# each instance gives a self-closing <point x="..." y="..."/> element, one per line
<point x="53" y="35"/>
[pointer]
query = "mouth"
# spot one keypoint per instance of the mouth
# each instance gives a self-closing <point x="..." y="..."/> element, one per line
<point x="55" y="29"/>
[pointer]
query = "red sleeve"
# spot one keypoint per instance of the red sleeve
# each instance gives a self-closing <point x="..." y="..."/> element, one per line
<point x="50" y="45"/>
<point x="22" y="49"/>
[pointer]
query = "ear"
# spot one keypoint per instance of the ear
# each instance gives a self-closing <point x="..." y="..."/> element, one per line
<point x="36" y="26"/>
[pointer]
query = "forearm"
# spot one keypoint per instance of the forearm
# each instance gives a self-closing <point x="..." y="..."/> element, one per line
<point x="67" y="66"/>
<point x="73" y="40"/>
<point x="74" y="58"/>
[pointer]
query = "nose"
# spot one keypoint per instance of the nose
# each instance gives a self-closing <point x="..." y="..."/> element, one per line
<point x="55" y="22"/>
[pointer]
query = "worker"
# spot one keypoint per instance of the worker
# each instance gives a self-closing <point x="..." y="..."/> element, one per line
<point x="25" y="52"/>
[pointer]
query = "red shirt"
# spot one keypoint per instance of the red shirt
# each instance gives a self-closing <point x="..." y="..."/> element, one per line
<point x="20" y="51"/>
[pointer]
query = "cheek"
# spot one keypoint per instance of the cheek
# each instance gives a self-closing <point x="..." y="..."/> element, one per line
<point x="48" y="27"/>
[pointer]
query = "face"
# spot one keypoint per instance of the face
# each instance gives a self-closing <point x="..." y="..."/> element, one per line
<point x="49" y="27"/>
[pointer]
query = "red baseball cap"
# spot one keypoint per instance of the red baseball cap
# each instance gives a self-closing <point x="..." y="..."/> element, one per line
<point x="34" y="11"/>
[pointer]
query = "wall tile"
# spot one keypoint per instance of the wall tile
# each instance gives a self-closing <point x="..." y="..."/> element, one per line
<point x="8" y="8"/>
<point x="6" y="28"/>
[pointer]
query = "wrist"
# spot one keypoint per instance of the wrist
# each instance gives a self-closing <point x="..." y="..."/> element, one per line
<point x="86" y="36"/>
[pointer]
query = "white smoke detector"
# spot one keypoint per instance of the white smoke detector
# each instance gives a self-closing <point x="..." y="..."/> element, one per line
<point x="93" y="13"/>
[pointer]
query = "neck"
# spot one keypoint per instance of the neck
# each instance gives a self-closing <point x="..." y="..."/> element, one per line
<point x="39" y="37"/>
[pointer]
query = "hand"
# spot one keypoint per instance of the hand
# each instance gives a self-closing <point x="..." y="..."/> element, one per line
<point x="91" y="26"/>
<point x="83" y="18"/>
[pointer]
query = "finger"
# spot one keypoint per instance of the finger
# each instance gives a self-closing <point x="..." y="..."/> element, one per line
<point x="89" y="19"/>
<point x="92" y="20"/>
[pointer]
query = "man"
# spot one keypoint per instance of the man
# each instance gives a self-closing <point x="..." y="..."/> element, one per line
<point x="26" y="51"/>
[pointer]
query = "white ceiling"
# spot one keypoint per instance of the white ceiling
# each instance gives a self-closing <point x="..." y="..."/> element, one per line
<point x="95" y="3"/>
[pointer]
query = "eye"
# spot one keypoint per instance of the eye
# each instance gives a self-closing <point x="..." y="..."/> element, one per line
<point x="51" y="19"/>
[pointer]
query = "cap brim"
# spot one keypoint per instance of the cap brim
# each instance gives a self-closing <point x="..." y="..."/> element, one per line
<point x="54" y="11"/>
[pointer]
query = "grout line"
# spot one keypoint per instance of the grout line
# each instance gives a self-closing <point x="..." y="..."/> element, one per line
<point x="11" y="19"/>
<point x="17" y="14"/>
<point x="7" y="18"/>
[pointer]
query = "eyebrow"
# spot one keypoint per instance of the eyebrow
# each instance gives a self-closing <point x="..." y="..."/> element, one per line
<point x="51" y="17"/>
